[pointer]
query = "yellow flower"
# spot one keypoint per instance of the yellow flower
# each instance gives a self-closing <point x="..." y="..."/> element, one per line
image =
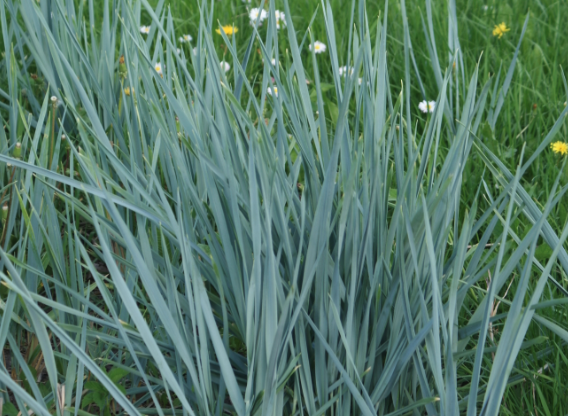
<point x="560" y="147"/>
<point x="500" y="30"/>
<point x="228" y="29"/>
<point x="127" y="91"/>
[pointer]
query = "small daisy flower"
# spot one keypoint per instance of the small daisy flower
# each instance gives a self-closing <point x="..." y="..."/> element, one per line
<point x="280" y="17"/>
<point x="319" y="47"/>
<point x="145" y="30"/>
<point x="345" y="70"/>
<point x="257" y="13"/>
<point x="427" y="106"/>
<point x="225" y="66"/>
<point x="228" y="29"/>
<point x="560" y="147"/>
<point x="272" y="91"/>
<point x="158" y="68"/>
<point x="185" y="39"/>
<point x="500" y="30"/>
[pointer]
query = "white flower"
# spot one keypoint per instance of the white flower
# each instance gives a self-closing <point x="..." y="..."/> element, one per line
<point x="185" y="39"/>
<point x="427" y="107"/>
<point x="195" y="51"/>
<point x="485" y="7"/>
<point x="279" y="17"/>
<point x="345" y="70"/>
<point x="360" y="81"/>
<point x="319" y="47"/>
<point x="145" y="29"/>
<point x="273" y="61"/>
<point x="273" y="91"/>
<point x="56" y="101"/>
<point x="158" y="68"/>
<point x="178" y="50"/>
<point x="255" y="13"/>
<point x="225" y="66"/>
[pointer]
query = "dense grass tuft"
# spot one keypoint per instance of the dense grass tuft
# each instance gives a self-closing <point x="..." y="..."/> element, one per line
<point x="285" y="238"/>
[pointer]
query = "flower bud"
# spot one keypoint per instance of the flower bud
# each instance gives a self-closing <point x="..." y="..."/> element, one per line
<point x="122" y="71"/>
<point x="4" y="212"/>
<point x="64" y="142"/>
<point x="17" y="151"/>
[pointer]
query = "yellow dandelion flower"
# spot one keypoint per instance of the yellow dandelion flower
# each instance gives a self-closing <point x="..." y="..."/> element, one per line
<point x="228" y="29"/>
<point x="500" y="30"/>
<point x="560" y="147"/>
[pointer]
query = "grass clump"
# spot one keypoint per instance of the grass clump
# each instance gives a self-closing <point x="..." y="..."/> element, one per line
<point x="201" y="244"/>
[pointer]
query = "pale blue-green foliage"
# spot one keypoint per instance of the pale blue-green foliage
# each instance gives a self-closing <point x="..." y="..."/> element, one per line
<point x="233" y="251"/>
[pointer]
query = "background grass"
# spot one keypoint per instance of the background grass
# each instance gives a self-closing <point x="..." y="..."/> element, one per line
<point x="537" y="93"/>
<point x="536" y="97"/>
